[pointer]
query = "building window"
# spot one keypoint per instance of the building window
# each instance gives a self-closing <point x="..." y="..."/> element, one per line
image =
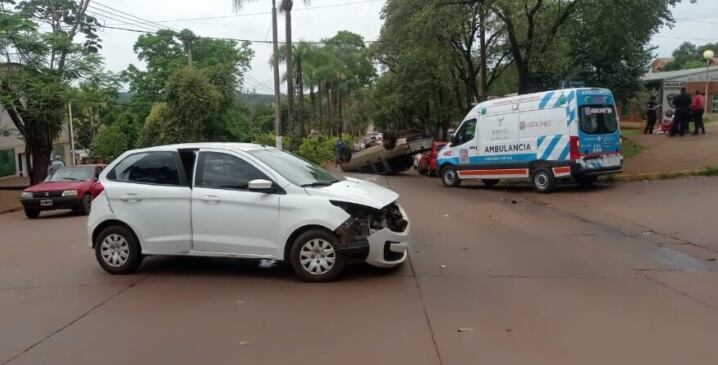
<point x="715" y="103"/>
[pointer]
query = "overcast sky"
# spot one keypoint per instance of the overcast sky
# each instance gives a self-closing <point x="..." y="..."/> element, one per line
<point x="320" y="19"/>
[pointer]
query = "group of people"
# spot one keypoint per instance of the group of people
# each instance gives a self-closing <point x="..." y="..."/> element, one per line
<point x="687" y="109"/>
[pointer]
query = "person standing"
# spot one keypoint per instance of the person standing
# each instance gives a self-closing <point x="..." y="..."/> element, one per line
<point x="682" y="104"/>
<point x="651" y="115"/>
<point x="698" y="106"/>
<point x="55" y="164"/>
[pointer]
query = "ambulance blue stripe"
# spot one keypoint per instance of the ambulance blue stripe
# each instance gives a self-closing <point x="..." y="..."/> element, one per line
<point x="477" y="160"/>
<point x="539" y="141"/>
<point x="571" y="96"/>
<point x="545" y="99"/>
<point x="561" y="99"/>
<point x="571" y="116"/>
<point x="565" y="152"/>
<point x="551" y="146"/>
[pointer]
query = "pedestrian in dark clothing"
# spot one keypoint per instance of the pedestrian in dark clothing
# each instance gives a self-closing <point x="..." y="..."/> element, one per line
<point x="682" y="104"/>
<point x="698" y="107"/>
<point x="651" y="115"/>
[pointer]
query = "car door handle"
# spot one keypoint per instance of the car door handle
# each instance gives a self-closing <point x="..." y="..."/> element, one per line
<point x="131" y="198"/>
<point x="211" y="199"/>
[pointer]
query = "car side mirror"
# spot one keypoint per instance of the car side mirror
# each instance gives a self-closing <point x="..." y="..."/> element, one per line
<point x="261" y="185"/>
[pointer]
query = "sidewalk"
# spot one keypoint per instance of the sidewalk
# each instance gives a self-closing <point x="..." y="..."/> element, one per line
<point x="667" y="154"/>
<point x="14" y="182"/>
<point x="9" y="200"/>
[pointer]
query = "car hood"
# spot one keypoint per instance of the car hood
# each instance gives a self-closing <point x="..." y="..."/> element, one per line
<point x="60" y="185"/>
<point x="356" y="191"/>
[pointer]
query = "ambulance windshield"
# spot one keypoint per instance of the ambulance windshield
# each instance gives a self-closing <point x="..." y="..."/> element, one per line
<point x="598" y="119"/>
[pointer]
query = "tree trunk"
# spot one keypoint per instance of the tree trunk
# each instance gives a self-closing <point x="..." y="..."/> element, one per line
<point x="300" y="85"/>
<point x="483" y="81"/>
<point x="313" y="101"/>
<point x="330" y="112"/>
<point x="40" y="162"/>
<point x="291" y="112"/>
<point x="524" y="78"/>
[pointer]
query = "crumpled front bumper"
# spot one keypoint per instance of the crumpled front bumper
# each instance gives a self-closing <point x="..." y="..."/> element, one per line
<point x="388" y="248"/>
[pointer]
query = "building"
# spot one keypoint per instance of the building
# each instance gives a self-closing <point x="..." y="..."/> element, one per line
<point x="12" y="148"/>
<point x="669" y="84"/>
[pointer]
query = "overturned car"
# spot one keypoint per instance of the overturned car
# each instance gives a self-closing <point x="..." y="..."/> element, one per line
<point x="393" y="155"/>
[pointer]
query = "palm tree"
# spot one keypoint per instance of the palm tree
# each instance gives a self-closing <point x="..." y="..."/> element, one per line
<point x="286" y="7"/>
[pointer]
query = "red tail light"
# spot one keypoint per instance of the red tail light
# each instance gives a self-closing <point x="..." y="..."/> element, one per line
<point x="575" y="148"/>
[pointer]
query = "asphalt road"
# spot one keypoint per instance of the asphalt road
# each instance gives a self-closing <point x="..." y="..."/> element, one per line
<point x="620" y="274"/>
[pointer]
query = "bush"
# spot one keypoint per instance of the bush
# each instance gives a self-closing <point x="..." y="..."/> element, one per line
<point x="265" y="139"/>
<point x="317" y="150"/>
<point x="109" y="143"/>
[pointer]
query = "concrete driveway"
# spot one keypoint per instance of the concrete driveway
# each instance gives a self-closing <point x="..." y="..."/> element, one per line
<point x="614" y="274"/>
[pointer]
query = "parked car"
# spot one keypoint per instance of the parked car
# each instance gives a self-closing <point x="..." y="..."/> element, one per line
<point x="427" y="162"/>
<point x="243" y="201"/>
<point x="71" y="187"/>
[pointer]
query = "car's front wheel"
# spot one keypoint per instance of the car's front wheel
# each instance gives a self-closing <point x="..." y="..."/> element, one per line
<point x="85" y="205"/>
<point x="117" y="250"/>
<point x="32" y="213"/>
<point x="314" y="256"/>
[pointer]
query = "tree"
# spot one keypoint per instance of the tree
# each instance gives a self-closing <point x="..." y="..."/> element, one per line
<point x="109" y="143"/>
<point x="36" y="89"/>
<point x="688" y="56"/>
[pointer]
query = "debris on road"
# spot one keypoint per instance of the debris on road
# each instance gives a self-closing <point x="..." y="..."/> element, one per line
<point x="711" y="259"/>
<point x="267" y="263"/>
<point x="446" y="216"/>
<point x="465" y="329"/>
<point x="514" y="202"/>
<point x="245" y="343"/>
<point x="442" y="266"/>
<point x="240" y="301"/>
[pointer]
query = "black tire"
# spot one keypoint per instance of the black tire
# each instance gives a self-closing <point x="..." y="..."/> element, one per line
<point x="32" y="213"/>
<point x="543" y="180"/>
<point x="449" y="177"/>
<point x="85" y="205"/>
<point x="310" y="269"/>
<point x="132" y="250"/>
<point x="586" y="181"/>
<point x="490" y="182"/>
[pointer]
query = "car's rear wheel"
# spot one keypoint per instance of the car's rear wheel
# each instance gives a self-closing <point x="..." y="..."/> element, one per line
<point x="490" y="182"/>
<point x="32" y="213"/>
<point x="117" y="250"/>
<point x="543" y="180"/>
<point x="314" y="256"/>
<point x="450" y="177"/>
<point x="423" y="168"/>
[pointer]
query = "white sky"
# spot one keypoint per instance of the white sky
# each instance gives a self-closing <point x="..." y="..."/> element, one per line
<point x="320" y="19"/>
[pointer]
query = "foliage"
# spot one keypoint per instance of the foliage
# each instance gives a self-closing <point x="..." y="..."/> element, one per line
<point x="688" y="56"/>
<point x="35" y="88"/>
<point x="109" y="143"/>
<point x="265" y="139"/>
<point x="318" y="150"/>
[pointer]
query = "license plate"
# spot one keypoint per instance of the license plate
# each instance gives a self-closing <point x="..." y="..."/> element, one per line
<point x="46" y="202"/>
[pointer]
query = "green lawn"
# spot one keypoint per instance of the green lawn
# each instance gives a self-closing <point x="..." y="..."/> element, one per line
<point x="630" y="147"/>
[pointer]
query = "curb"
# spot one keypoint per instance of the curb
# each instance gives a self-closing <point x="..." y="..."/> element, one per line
<point x="654" y="176"/>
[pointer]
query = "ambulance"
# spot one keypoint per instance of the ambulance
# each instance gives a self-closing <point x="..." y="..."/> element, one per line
<point x="545" y="137"/>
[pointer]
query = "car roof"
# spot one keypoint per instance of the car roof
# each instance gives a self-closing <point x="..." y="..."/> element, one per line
<point x="217" y="145"/>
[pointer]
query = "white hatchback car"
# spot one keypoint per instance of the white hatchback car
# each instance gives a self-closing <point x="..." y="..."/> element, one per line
<point x="242" y="200"/>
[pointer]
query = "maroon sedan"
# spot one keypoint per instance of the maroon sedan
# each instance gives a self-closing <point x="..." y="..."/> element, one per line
<point x="71" y="187"/>
<point x="427" y="163"/>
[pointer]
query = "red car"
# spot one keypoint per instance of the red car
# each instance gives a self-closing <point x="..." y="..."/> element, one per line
<point x="427" y="162"/>
<point x="71" y="187"/>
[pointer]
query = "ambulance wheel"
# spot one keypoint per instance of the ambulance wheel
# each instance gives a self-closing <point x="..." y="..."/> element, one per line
<point x="490" y="182"/>
<point x="450" y="177"/>
<point x="543" y="180"/>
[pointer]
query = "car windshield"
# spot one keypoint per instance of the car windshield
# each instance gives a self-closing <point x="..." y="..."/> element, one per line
<point x="297" y="170"/>
<point x="71" y="174"/>
<point x="598" y="119"/>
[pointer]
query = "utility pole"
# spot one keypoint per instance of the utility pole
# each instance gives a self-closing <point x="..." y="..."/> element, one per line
<point x="72" y="137"/>
<point x="277" y="99"/>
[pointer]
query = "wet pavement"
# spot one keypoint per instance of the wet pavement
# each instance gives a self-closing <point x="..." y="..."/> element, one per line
<point x="621" y="273"/>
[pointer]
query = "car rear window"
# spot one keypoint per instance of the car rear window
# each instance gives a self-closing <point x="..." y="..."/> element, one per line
<point x="598" y="119"/>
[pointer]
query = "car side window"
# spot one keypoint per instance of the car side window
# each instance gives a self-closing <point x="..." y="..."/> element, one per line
<point x="148" y="168"/>
<point x="223" y="171"/>
<point x="467" y="132"/>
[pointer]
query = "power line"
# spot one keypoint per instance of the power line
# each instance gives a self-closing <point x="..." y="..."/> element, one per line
<point x="98" y="13"/>
<point x="688" y="39"/>
<point x="264" y="12"/>
<point x="142" y="20"/>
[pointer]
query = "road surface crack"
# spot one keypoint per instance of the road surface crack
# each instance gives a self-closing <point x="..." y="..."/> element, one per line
<point x="69" y="324"/>
<point x="426" y="313"/>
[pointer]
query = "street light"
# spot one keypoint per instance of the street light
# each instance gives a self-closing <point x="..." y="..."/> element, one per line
<point x="708" y="56"/>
